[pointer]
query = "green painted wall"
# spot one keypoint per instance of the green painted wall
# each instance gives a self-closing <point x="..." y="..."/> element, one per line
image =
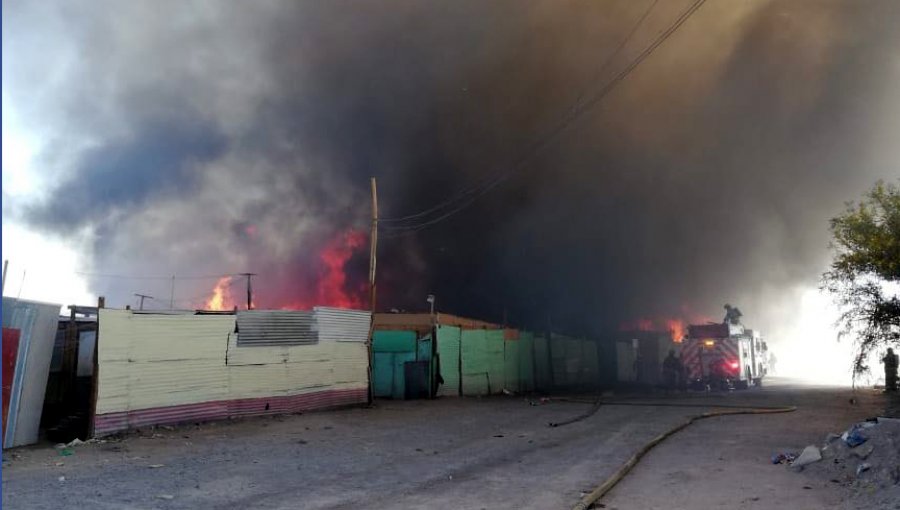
<point x="482" y="361"/>
<point x="511" y="353"/>
<point x="391" y="350"/>
<point x="394" y="341"/>
<point x="543" y="372"/>
<point x="448" y="340"/>
<point x="526" y="361"/>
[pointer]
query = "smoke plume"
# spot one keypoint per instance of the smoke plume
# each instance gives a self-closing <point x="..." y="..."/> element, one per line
<point x="199" y="138"/>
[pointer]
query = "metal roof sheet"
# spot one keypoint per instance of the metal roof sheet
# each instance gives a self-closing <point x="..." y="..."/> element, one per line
<point x="276" y="327"/>
<point x="342" y="325"/>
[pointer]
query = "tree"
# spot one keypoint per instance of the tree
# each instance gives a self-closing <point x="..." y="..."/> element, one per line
<point x="865" y="274"/>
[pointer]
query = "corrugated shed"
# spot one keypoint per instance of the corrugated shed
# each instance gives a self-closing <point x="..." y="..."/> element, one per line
<point x="171" y="368"/>
<point x="276" y="327"/>
<point x="342" y="325"/>
<point x="335" y="397"/>
<point x="37" y="323"/>
<point x="160" y="360"/>
<point x="448" y="340"/>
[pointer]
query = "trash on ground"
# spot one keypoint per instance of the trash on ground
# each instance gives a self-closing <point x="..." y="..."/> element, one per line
<point x="854" y="437"/>
<point x="860" y="469"/>
<point x="862" y="452"/>
<point x="783" y="457"/>
<point x="154" y="466"/>
<point x="866" y="461"/>
<point x="62" y="478"/>
<point x="165" y="496"/>
<point x="809" y="455"/>
<point x="65" y="452"/>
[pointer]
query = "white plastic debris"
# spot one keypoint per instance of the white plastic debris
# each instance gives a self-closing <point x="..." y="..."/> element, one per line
<point x="860" y="469"/>
<point x="809" y="455"/>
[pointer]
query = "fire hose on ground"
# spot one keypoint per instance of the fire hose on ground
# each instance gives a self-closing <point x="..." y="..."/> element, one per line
<point x="607" y="485"/>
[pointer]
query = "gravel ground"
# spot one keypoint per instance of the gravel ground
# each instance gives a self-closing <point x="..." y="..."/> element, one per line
<point x="450" y="453"/>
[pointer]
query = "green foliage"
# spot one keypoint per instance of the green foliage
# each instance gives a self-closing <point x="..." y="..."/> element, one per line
<point x="866" y="264"/>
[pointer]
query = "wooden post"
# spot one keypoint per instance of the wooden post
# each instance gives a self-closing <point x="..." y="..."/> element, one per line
<point x="373" y="249"/>
<point x="373" y="246"/>
<point x="249" y="290"/>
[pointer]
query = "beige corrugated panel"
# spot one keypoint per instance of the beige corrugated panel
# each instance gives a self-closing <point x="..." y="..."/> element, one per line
<point x="350" y="363"/>
<point x="151" y="361"/>
<point x="161" y="360"/>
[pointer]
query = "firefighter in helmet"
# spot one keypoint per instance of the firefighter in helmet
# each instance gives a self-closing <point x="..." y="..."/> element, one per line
<point x="890" y="370"/>
<point x="671" y="370"/>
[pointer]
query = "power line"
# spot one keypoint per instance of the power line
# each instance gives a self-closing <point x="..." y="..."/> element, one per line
<point x="462" y="194"/>
<point x="467" y="197"/>
<point x="144" y="277"/>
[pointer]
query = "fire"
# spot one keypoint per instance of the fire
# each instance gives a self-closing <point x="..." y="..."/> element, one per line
<point x="676" y="327"/>
<point x="331" y="289"/>
<point x="221" y="296"/>
<point x="329" y="282"/>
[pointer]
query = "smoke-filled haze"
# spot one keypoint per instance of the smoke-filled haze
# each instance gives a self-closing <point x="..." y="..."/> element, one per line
<point x="205" y="138"/>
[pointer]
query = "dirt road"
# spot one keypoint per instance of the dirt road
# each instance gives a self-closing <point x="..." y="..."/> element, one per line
<point x="450" y="453"/>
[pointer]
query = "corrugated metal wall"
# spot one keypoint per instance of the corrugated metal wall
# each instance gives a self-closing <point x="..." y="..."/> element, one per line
<point x="170" y="368"/>
<point x="448" y="340"/>
<point x="276" y="327"/>
<point x="482" y="361"/>
<point x="511" y="353"/>
<point x="542" y="363"/>
<point x="391" y="350"/>
<point x="36" y="323"/>
<point x="526" y="361"/>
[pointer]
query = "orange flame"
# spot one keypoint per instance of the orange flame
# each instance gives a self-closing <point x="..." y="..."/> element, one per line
<point x="221" y="296"/>
<point x="676" y="328"/>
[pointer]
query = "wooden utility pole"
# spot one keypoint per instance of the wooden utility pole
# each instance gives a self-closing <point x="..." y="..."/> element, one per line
<point x="172" y="295"/>
<point x="373" y="248"/>
<point x="142" y="296"/>
<point x="249" y="290"/>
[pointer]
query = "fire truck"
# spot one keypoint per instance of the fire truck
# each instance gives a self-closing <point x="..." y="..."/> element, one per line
<point x="724" y="356"/>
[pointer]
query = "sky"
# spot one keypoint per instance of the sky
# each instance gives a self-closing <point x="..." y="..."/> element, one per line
<point x="151" y="139"/>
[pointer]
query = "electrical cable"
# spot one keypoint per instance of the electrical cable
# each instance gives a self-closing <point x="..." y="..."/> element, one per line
<point x="575" y="114"/>
<point x="574" y="107"/>
<point x="144" y="277"/>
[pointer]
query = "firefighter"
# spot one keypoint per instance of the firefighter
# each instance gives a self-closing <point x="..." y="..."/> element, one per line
<point x="890" y="370"/>
<point x="671" y="370"/>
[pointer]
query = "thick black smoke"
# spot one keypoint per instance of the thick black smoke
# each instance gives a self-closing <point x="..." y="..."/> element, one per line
<point x="199" y="139"/>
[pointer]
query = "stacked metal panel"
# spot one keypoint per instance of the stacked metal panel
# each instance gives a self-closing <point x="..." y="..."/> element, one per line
<point x="36" y="323"/>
